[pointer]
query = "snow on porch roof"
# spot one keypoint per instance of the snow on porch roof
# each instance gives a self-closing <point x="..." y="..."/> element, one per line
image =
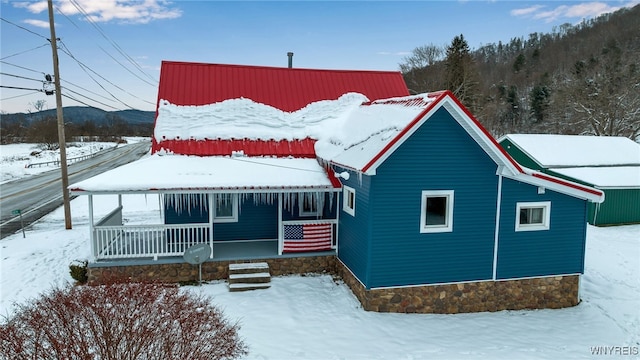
<point x="179" y="173"/>
<point x="287" y="89"/>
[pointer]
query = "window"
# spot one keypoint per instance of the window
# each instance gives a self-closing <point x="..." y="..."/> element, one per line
<point x="436" y="214"/>
<point x="308" y="204"/>
<point x="349" y="200"/>
<point x="533" y="216"/>
<point x="226" y="208"/>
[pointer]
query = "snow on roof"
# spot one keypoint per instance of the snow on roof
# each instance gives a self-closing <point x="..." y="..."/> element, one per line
<point x="247" y="119"/>
<point x="347" y="130"/>
<point x="605" y="177"/>
<point x="552" y="151"/>
<point x="180" y="172"/>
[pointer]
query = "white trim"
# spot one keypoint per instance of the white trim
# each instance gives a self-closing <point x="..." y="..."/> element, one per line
<point x="546" y="215"/>
<point x="91" y="228"/>
<point x="352" y="274"/>
<point x="210" y="203"/>
<point x="473" y="281"/>
<point x="448" y="225"/>
<point x="280" y="226"/>
<point x="234" y="210"/>
<point x="314" y="200"/>
<point x="351" y="210"/>
<point x="497" y="229"/>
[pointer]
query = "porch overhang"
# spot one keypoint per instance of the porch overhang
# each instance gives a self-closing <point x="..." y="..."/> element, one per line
<point x="215" y="174"/>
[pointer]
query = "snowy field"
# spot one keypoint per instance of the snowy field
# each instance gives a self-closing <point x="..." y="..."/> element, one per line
<point x="316" y="317"/>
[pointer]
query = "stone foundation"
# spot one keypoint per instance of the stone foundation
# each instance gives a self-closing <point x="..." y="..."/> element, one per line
<point x="537" y="293"/>
<point x="211" y="270"/>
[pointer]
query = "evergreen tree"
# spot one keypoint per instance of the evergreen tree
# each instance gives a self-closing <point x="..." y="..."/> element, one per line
<point x="461" y="75"/>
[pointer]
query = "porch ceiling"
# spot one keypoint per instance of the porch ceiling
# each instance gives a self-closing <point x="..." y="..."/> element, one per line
<point x="180" y="173"/>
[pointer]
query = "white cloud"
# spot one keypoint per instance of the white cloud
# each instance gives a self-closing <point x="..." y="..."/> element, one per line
<point x="37" y="23"/>
<point x="526" y="11"/>
<point x="136" y="12"/>
<point x="576" y="11"/>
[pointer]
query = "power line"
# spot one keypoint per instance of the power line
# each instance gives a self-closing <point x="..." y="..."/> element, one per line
<point x="19" y="88"/>
<point x="24" y="28"/>
<point x="126" y="68"/>
<point x="21" y="77"/>
<point x="87" y="90"/>
<point x="26" y="51"/>
<point x="84" y="68"/>
<point x="17" y="96"/>
<point x="94" y="100"/>
<point x="113" y="43"/>
<point x="21" y="67"/>
<point x="66" y="50"/>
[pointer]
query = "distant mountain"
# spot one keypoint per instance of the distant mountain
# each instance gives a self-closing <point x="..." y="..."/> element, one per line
<point x="82" y="114"/>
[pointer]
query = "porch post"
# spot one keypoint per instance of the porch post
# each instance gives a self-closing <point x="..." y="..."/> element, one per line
<point x="211" y="209"/>
<point x="280" y="227"/>
<point x="91" y="229"/>
<point x="338" y="209"/>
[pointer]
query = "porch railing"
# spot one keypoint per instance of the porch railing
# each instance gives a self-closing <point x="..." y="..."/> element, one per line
<point x="148" y="241"/>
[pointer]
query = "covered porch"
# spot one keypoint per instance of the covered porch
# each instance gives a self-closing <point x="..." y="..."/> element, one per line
<point x="112" y="239"/>
<point x="292" y="214"/>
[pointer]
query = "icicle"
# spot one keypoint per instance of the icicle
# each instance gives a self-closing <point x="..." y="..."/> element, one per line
<point x="359" y="178"/>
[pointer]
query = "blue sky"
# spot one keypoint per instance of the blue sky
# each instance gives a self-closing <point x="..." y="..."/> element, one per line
<point x="368" y="35"/>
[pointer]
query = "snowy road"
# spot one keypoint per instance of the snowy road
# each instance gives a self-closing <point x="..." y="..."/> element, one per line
<point x="38" y="195"/>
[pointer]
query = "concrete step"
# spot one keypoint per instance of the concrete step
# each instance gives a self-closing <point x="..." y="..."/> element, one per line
<point x="249" y="276"/>
<point x="247" y="268"/>
<point x="252" y="278"/>
<point x="245" y="287"/>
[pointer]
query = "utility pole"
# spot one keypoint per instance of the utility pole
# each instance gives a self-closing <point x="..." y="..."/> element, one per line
<point x="61" y="138"/>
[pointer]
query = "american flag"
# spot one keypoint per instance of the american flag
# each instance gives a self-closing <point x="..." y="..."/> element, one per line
<point x="307" y="237"/>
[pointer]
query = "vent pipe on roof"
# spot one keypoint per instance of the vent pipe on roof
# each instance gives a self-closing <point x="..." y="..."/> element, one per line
<point x="290" y="55"/>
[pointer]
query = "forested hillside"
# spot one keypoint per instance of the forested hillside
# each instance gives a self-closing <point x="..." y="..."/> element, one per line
<point x="578" y="79"/>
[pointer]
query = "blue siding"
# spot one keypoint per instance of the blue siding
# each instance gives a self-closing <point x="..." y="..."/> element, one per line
<point x="440" y="155"/>
<point x="354" y="232"/>
<point x="559" y="250"/>
<point x="254" y="222"/>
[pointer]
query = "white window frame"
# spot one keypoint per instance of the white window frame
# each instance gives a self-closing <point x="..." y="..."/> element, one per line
<point x="301" y="211"/>
<point x="234" y="207"/>
<point x="448" y="225"/>
<point x="546" y="216"/>
<point x="347" y="193"/>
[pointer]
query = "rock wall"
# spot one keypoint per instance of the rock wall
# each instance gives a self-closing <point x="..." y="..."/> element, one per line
<point x="211" y="270"/>
<point x="536" y="293"/>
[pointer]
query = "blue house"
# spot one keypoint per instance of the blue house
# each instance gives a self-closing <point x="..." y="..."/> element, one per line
<point x="408" y="198"/>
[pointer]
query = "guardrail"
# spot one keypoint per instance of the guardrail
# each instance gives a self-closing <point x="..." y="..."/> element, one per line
<point x="70" y="160"/>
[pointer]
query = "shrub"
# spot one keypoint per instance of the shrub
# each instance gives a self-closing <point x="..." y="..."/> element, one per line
<point x="78" y="271"/>
<point x="119" y="321"/>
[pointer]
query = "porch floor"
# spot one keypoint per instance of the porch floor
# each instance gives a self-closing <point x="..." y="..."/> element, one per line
<point x="222" y="251"/>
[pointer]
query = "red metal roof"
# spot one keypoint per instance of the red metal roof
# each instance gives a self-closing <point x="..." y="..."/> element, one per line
<point x="222" y="147"/>
<point x="288" y="89"/>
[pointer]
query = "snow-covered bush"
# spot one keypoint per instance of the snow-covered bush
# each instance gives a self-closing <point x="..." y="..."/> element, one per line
<point x="78" y="271"/>
<point x="119" y="321"/>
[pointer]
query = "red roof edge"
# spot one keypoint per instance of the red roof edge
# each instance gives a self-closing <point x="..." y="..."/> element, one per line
<point x="335" y="182"/>
<point x="303" y="148"/>
<point x="403" y="132"/>
<point x="568" y="184"/>
<point x="484" y="131"/>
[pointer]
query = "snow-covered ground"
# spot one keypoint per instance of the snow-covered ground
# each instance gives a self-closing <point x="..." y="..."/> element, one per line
<point x="14" y="158"/>
<point x="317" y="317"/>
